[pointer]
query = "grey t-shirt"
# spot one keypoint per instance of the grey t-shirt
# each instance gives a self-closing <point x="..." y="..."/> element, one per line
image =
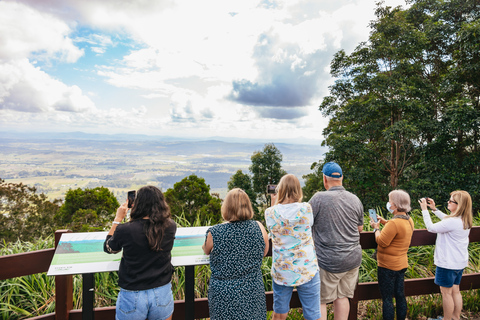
<point x="337" y="215"/>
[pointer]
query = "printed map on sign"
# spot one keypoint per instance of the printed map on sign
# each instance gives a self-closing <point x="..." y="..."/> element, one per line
<point x="82" y="252"/>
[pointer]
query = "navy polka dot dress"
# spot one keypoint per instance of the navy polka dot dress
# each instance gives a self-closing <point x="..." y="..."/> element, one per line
<point x="236" y="290"/>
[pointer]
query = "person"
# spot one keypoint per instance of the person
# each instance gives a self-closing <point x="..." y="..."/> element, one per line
<point x="236" y="249"/>
<point x="294" y="261"/>
<point x="145" y="268"/>
<point x="338" y="221"/>
<point x="451" y="247"/>
<point x="393" y="243"/>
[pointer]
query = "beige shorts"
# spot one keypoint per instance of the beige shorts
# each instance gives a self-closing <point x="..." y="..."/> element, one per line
<point x="337" y="285"/>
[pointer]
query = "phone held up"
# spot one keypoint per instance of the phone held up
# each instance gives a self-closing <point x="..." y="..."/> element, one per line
<point x="271" y="189"/>
<point x="131" y="198"/>
<point x="373" y="214"/>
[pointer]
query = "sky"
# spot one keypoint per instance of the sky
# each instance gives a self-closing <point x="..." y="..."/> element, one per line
<point x="184" y="68"/>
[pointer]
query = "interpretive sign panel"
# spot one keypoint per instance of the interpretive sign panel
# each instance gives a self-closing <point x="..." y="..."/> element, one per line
<point x="82" y="252"/>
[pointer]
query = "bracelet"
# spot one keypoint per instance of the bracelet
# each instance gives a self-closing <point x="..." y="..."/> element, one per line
<point x="116" y="222"/>
<point x="375" y="230"/>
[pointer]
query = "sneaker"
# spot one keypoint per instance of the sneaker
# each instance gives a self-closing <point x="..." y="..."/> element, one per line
<point x="438" y="318"/>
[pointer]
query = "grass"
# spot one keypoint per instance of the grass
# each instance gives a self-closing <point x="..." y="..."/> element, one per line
<point x="33" y="295"/>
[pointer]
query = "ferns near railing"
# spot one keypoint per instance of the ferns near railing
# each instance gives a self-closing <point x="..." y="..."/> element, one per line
<point x="34" y="295"/>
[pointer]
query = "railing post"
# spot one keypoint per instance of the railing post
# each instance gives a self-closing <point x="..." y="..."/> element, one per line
<point x="88" y="296"/>
<point x="189" y="292"/>
<point x="63" y="288"/>
<point x="353" y="306"/>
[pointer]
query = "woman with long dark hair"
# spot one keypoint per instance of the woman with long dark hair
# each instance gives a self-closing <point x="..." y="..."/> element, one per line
<point x="145" y="269"/>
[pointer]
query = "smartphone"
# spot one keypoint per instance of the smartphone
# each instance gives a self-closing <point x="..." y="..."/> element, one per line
<point x="271" y="189"/>
<point x="373" y="214"/>
<point x="131" y="197"/>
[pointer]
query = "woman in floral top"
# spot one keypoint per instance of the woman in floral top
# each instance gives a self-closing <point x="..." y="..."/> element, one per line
<point x="294" y="259"/>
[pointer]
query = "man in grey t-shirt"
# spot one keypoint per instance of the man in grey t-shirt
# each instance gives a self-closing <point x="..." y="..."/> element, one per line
<point x="338" y="221"/>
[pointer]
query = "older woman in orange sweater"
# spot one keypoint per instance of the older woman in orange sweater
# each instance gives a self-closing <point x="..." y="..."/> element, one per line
<point x="393" y="243"/>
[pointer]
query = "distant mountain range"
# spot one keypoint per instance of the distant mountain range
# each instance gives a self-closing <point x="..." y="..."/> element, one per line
<point x="77" y="135"/>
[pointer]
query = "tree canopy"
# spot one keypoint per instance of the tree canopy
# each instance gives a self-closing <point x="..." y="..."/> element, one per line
<point x="405" y="108"/>
<point x="190" y="198"/>
<point x="266" y="169"/>
<point x="244" y="181"/>
<point x="24" y="213"/>
<point x="88" y="209"/>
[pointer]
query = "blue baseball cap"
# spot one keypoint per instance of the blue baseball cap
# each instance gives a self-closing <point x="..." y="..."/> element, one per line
<point x="332" y="169"/>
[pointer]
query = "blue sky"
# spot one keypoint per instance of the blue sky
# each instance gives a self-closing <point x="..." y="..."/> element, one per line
<point x="242" y="69"/>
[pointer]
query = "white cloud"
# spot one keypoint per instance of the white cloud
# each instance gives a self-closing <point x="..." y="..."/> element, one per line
<point x="25" y="32"/>
<point x="98" y="50"/>
<point x="140" y="111"/>
<point x="185" y="58"/>
<point x="26" y="88"/>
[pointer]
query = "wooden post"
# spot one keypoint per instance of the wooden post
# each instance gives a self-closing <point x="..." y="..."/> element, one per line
<point x="353" y="306"/>
<point x="189" y="292"/>
<point x="88" y="296"/>
<point x="63" y="288"/>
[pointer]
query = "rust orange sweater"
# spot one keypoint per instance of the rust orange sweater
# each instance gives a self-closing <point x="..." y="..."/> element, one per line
<point x="393" y="243"/>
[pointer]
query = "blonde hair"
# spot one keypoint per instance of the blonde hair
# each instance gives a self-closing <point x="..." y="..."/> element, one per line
<point x="237" y="206"/>
<point x="401" y="200"/>
<point x="464" y="208"/>
<point x="289" y="188"/>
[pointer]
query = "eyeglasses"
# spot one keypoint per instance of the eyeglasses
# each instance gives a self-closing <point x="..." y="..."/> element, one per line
<point x="451" y="201"/>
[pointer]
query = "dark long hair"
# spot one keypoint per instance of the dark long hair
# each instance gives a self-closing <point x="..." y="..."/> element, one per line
<point x="150" y="203"/>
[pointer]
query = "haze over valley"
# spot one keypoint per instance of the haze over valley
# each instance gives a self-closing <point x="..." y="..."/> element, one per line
<point x="55" y="164"/>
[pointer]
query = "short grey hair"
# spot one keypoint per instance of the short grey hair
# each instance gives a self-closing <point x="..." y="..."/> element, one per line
<point x="401" y="200"/>
<point x="332" y="178"/>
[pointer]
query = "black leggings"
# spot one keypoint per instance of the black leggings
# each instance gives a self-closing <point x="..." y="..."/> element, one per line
<point x="391" y="285"/>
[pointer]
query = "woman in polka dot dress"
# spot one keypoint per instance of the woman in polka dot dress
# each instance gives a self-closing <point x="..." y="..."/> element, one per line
<point x="236" y="249"/>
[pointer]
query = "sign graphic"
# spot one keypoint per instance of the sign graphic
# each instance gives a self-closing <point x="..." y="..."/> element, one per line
<point x="82" y="252"/>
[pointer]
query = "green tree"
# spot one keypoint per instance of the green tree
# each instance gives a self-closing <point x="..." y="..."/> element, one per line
<point x="25" y="214"/>
<point x="244" y="181"/>
<point x="404" y="111"/>
<point x="266" y="169"/>
<point x="313" y="181"/>
<point x="88" y="209"/>
<point x="191" y="198"/>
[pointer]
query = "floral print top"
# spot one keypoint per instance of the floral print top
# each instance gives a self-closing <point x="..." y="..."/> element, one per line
<point x="293" y="252"/>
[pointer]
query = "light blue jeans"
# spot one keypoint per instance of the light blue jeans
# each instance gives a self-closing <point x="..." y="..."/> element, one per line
<point x="308" y="293"/>
<point x="152" y="304"/>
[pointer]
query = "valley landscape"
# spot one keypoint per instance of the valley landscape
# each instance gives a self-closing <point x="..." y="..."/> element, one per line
<point x="54" y="164"/>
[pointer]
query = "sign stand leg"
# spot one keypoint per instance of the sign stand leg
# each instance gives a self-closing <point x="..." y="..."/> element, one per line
<point x="189" y="292"/>
<point x="88" y="296"/>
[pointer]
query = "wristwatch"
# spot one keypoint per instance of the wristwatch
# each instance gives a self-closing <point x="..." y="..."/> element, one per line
<point x="375" y="230"/>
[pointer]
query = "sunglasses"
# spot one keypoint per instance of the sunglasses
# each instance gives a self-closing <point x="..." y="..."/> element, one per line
<point x="451" y="201"/>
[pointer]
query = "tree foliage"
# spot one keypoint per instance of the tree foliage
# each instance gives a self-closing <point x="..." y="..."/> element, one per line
<point x="266" y="169"/>
<point x="404" y="110"/>
<point x="244" y="181"/>
<point x="191" y="198"/>
<point x="88" y="209"/>
<point x="313" y="180"/>
<point x="25" y="214"/>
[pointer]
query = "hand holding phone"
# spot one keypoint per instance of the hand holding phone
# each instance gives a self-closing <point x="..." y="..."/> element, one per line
<point x="131" y="198"/>
<point x="373" y="215"/>
<point x="271" y="189"/>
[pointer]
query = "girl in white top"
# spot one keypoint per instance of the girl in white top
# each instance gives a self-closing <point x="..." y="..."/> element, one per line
<point x="451" y="247"/>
